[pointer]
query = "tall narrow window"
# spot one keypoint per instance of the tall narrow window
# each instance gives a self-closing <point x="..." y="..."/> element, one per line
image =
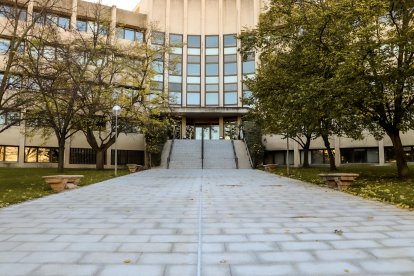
<point x="193" y="70"/>
<point x="212" y="70"/>
<point x="230" y="70"/>
<point x="175" y="69"/>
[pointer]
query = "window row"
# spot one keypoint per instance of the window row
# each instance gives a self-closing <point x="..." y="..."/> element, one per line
<point x="348" y="155"/>
<point x="76" y="156"/>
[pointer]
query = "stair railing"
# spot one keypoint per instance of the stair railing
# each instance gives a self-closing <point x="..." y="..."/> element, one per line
<point x="248" y="152"/>
<point x="236" y="159"/>
<point x="202" y="149"/>
<point x="170" y="153"/>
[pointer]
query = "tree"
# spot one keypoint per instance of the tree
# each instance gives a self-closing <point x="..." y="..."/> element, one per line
<point x="296" y="44"/>
<point x="378" y="69"/>
<point x="17" y="25"/>
<point x="109" y="72"/>
<point x="52" y="101"/>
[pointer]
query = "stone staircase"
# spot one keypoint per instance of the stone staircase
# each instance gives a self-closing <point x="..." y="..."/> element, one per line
<point x="186" y="154"/>
<point x="218" y="154"/>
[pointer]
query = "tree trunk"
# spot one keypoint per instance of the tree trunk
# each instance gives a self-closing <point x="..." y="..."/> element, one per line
<point x="306" y="153"/>
<point x="61" y="157"/>
<point x="100" y="157"/>
<point x="402" y="167"/>
<point x="331" y="155"/>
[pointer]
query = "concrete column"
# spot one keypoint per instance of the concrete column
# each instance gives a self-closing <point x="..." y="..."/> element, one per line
<point x="381" y="152"/>
<point x="239" y="59"/>
<point x="203" y="54"/>
<point x="22" y="144"/>
<point x="108" y="157"/>
<point x="167" y="43"/>
<point x="67" y="152"/>
<point x="74" y="14"/>
<point x="184" y="69"/>
<point x="296" y="154"/>
<point x="183" y="127"/>
<point x="113" y="24"/>
<point x="221" y="126"/>
<point x="337" y="151"/>
<point x="221" y="56"/>
<point x="30" y="11"/>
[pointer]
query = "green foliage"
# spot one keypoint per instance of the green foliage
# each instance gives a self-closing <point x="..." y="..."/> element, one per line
<point x="335" y="67"/>
<point x="156" y="134"/>
<point x="19" y="185"/>
<point x="375" y="182"/>
<point x="253" y="135"/>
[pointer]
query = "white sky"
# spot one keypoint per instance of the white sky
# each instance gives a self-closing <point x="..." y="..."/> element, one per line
<point x="122" y="4"/>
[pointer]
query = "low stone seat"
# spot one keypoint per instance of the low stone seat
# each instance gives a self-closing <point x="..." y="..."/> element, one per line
<point x="339" y="180"/>
<point x="59" y="182"/>
<point x="270" y="167"/>
<point x="134" y="167"/>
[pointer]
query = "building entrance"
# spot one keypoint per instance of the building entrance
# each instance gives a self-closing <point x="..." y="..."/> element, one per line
<point x="208" y="132"/>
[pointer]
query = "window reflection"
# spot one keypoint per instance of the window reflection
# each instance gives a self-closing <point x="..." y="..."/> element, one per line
<point x="9" y="154"/>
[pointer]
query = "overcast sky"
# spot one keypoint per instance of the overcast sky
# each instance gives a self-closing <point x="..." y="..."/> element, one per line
<point x="122" y="4"/>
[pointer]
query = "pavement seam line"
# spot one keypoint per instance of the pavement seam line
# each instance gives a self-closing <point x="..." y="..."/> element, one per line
<point x="200" y="228"/>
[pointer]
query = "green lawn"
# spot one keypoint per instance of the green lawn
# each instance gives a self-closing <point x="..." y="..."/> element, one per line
<point x="375" y="182"/>
<point x="21" y="184"/>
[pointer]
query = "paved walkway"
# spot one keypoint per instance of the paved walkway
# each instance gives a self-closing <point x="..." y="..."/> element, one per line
<point x="253" y="223"/>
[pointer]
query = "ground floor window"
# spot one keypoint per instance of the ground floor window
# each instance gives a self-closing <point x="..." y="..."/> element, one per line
<point x="9" y="153"/>
<point x="41" y="155"/>
<point x="128" y="157"/>
<point x="83" y="156"/>
<point x="359" y="155"/>
<point x="390" y="155"/>
<point x="279" y="157"/>
<point x="320" y="156"/>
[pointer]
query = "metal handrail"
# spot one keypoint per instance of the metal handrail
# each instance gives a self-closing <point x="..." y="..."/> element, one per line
<point x="248" y="152"/>
<point x="202" y="149"/>
<point x="236" y="159"/>
<point x="169" y="154"/>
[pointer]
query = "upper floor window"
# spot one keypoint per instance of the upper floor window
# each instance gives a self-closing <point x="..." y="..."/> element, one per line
<point x="11" y="12"/>
<point x="129" y="34"/>
<point x="10" y="118"/>
<point x="230" y="40"/>
<point x="91" y="27"/>
<point x="176" y="40"/>
<point x="60" y="21"/>
<point x="193" y="41"/>
<point x="212" y="41"/>
<point x="157" y="38"/>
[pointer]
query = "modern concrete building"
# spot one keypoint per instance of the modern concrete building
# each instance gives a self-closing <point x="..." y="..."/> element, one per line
<point x="205" y="86"/>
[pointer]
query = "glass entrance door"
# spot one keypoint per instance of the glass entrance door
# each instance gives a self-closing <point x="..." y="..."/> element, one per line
<point x="209" y="132"/>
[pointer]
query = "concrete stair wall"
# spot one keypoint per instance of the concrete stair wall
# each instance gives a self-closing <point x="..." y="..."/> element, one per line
<point x="242" y="155"/>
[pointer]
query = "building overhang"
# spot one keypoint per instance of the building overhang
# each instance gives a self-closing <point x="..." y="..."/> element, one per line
<point x="209" y="112"/>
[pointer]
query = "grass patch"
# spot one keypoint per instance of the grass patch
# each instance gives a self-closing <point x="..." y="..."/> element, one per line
<point x="374" y="182"/>
<point x="22" y="184"/>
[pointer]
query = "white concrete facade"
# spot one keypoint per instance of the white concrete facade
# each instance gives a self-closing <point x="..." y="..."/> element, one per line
<point x="207" y="88"/>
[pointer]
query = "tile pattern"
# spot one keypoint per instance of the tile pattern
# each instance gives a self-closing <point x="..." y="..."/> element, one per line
<point x="253" y="223"/>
